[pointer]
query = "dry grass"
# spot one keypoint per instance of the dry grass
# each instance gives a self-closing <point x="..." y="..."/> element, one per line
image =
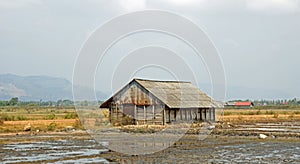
<point x="14" y="119"/>
<point x="228" y="112"/>
<point x="142" y="128"/>
<point x="40" y="125"/>
<point x="34" y="113"/>
<point x="256" y="115"/>
<point x="263" y="116"/>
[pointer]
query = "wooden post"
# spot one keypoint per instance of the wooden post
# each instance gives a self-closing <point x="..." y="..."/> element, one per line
<point x="169" y="115"/>
<point x="200" y="114"/>
<point x="117" y="112"/>
<point x="209" y="114"/>
<point x="122" y="113"/>
<point x="175" y="114"/>
<point x="180" y="112"/>
<point x="144" y="114"/>
<point x="153" y="114"/>
<point x="135" y="116"/>
<point x="164" y="116"/>
<point x="214" y="114"/>
<point x="110" y="113"/>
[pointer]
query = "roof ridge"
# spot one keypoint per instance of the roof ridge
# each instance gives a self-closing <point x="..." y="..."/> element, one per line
<point x="172" y="81"/>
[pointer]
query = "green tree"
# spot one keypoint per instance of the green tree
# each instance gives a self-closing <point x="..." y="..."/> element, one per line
<point x="3" y="103"/>
<point x="13" y="101"/>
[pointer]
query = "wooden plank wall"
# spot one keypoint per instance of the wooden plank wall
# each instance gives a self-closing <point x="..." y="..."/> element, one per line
<point x="128" y="114"/>
<point x="142" y="114"/>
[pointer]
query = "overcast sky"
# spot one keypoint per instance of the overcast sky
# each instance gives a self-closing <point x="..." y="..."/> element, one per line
<point x="257" y="40"/>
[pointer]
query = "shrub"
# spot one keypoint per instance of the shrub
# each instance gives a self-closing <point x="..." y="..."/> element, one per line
<point x="276" y="115"/>
<point x="227" y="113"/>
<point x="78" y="125"/>
<point x="270" y="112"/>
<point x="251" y="113"/>
<point x="50" y="116"/>
<point x="240" y="118"/>
<point x="6" y="117"/>
<point x="258" y="112"/>
<point x="19" y="118"/>
<point x="105" y="113"/>
<point x="297" y="112"/>
<point x="51" y="126"/>
<point x="71" y="116"/>
<point x="291" y="115"/>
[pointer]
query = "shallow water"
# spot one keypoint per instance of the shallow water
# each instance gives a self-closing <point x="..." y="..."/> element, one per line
<point x="215" y="149"/>
<point x="258" y="152"/>
<point x="64" y="151"/>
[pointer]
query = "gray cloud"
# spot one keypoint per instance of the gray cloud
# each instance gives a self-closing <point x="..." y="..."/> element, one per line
<point x="257" y="40"/>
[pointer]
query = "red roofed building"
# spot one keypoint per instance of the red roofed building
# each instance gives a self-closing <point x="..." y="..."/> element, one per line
<point x="244" y="104"/>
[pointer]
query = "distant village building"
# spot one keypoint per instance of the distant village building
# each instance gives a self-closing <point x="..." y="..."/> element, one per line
<point x="159" y="102"/>
<point x="240" y="104"/>
<point x="244" y="104"/>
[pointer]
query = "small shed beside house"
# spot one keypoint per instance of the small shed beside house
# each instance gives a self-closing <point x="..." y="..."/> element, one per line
<point x="144" y="101"/>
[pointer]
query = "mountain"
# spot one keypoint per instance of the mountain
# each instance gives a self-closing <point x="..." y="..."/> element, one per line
<point x="52" y="88"/>
<point x="40" y="87"/>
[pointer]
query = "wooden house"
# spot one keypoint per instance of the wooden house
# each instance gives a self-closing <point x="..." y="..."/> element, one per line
<point x="159" y="102"/>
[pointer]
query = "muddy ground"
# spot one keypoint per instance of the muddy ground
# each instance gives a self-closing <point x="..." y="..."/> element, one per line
<point x="228" y="143"/>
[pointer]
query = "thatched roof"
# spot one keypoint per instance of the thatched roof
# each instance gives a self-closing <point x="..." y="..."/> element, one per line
<point x="174" y="94"/>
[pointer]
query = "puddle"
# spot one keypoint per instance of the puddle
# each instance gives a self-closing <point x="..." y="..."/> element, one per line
<point x="59" y="150"/>
<point x="83" y="160"/>
<point x="257" y="153"/>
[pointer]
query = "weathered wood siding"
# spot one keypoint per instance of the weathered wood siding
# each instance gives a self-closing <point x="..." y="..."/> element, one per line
<point x="134" y="94"/>
<point x="135" y="105"/>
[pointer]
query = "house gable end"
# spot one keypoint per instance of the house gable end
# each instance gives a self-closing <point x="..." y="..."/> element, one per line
<point x="133" y="93"/>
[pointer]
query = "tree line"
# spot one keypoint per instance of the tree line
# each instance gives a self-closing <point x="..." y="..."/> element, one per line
<point x="278" y="102"/>
<point x="16" y="102"/>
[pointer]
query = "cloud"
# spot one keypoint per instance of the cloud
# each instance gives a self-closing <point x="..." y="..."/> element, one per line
<point x="185" y="2"/>
<point x="273" y="6"/>
<point x="231" y="42"/>
<point x="132" y="5"/>
<point x="18" y="3"/>
<point x="256" y="6"/>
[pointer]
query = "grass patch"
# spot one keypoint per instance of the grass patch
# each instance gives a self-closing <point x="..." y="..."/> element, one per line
<point x="228" y="112"/>
<point x="269" y="112"/>
<point x="51" y="126"/>
<point x="296" y="112"/>
<point x="50" y="116"/>
<point x="142" y="128"/>
<point x="71" y="116"/>
<point x="6" y="117"/>
<point x="276" y="115"/>
<point x="292" y="115"/>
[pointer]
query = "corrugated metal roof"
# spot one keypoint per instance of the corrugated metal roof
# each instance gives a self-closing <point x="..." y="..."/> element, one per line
<point x="176" y="94"/>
